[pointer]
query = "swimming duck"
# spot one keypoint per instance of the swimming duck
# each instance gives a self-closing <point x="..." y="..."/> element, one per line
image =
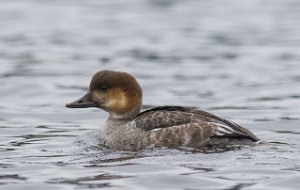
<point x="127" y="128"/>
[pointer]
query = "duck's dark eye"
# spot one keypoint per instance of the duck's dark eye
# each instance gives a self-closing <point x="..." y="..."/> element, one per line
<point x="103" y="87"/>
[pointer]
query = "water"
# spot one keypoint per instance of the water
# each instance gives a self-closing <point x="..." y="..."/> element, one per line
<point x="238" y="59"/>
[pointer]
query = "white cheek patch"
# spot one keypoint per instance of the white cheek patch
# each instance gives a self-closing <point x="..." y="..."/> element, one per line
<point x="110" y="102"/>
<point x="119" y="101"/>
<point x="123" y="100"/>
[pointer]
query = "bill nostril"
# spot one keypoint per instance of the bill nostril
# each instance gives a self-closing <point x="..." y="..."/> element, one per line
<point x="80" y="101"/>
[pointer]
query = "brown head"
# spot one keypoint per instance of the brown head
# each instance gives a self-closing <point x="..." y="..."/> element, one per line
<point x="115" y="92"/>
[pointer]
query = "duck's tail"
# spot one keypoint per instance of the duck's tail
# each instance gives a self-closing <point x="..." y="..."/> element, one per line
<point x="271" y="142"/>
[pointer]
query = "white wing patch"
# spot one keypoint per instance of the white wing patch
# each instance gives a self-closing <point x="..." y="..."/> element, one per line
<point x="221" y="129"/>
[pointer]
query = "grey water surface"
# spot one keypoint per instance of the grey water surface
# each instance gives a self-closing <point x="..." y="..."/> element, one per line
<point x="238" y="59"/>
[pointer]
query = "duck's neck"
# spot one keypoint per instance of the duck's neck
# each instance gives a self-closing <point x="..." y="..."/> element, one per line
<point x="124" y="117"/>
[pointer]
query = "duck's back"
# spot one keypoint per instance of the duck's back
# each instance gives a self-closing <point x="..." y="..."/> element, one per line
<point x="175" y="126"/>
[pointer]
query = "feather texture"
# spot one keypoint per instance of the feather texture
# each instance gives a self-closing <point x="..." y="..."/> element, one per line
<point x="189" y="121"/>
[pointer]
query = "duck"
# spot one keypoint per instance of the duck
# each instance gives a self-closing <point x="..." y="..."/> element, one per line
<point x="130" y="129"/>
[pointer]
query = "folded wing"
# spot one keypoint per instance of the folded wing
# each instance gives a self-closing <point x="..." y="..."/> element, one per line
<point x="191" y="119"/>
